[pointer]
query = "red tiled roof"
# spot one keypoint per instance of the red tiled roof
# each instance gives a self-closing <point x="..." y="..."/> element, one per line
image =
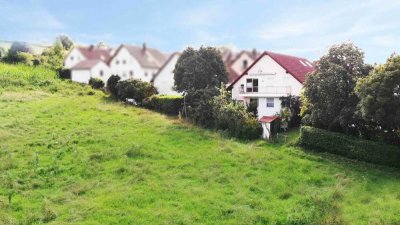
<point x="86" y="64"/>
<point x="93" y="52"/>
<point x="297" y="67"/>
<point x="269" y="119"/>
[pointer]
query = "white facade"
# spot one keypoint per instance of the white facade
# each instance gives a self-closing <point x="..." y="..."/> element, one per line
<point x="164" y="79"/>
<point x="99" y="70"/>
<point x="73" y="58"/>
<point x="266" y="81"/>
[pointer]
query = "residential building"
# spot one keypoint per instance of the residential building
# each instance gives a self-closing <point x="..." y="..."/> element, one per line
<point x="268" y="78"/>
<point x="236" y="64"/>
<point x="163" y="80"/>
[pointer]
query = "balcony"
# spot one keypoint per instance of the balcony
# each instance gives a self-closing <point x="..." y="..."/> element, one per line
<point x="266" y="91"/>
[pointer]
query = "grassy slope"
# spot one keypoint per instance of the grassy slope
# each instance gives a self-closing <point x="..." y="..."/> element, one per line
<point x="90" y="161"/>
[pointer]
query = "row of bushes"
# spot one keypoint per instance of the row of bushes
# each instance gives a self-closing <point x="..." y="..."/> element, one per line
<point x="350" y="147"/>
<point x="167" y="104"/>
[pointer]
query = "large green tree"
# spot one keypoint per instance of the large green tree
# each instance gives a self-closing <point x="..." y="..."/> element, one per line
<point x="379" y="95"/>
<point x="329" y="100"/>
<point x="65" y="41"/>
<point x="198" y="74"/>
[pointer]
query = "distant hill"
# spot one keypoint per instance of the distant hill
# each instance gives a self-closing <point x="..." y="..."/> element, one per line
<point x="36" y="48"/>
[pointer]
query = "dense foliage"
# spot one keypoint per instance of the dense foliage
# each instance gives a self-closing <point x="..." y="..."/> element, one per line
<point x="66" y="42"/>
<point x="96" y="83"/>
<point x="350" y="147"/>
<point x="291" y="110"/>
<point x="379" y="104"/>
<point x="329" y="100"/>
<point x="198" y="74"/>
<point x="167" y="104"/>
<point x="233" y="117"/>
<point x="134" y="89"/>
<point x="53" y="57"/>
<point x="112" y="85"/>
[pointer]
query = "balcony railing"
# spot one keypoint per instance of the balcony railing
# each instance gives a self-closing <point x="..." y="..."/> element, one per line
<point x="274" y="90"/>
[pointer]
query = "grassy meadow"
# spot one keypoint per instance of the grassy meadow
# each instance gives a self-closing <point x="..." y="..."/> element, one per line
<point x="69" y="155"/>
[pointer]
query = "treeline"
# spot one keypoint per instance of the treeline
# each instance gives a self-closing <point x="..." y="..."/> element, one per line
<point x="347" y="95"/>
<point x="52" y="57"/>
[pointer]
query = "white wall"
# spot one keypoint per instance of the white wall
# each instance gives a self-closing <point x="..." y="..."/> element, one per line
<point x="270" y="76"/>
<point x="73" y="58"/>
<point x="95" y="72"/>
<point x="80" y="76"/>
<point x="164" y="81"/>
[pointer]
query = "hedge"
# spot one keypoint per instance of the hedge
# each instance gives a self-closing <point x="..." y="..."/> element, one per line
<point x="350" y="147"/>
<point x="167" y="104"/>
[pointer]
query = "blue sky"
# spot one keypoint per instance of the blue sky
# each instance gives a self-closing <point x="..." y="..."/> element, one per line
<point x="302" y="28"/>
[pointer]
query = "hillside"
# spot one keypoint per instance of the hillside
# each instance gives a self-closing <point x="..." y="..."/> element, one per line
<point x="71" y="156"/>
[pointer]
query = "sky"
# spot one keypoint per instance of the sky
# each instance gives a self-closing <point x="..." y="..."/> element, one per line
<point x="303" y="28"/>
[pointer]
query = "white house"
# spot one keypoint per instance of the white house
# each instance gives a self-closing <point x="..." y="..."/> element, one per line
<point x="270" y="77"/>
<point x="163" y="80"/>
<point x="127" y="61"/>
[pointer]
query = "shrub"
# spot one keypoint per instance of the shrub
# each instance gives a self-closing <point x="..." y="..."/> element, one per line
<point x="350" y="147"/>
<point x="135" y="89"/>
<point x="232" y="117"/>
<point x="168" y="104"/>
<point x="96" y="83"/>
<point x="64" y="73"/>
<point x="112" y="85"/>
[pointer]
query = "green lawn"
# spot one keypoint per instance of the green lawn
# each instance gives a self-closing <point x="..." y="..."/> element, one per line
<point x="71" y="157"/>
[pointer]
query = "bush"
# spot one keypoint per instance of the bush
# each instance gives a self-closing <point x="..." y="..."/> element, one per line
<point x="168" y="104"/>
<point x="135" y="89"/>
<point x="350" y="147"/>
<point x="96" y="83"/>
<point x="64" y="74"/>
<point x="233" y="118"/>
<point x="112" y="85"/>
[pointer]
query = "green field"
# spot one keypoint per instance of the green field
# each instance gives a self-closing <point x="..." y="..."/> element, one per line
<point x="69" y="155"/>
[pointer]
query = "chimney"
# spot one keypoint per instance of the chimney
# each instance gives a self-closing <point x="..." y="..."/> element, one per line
<point x="91" y="47"/>
<point x="144" y="47"/>
<point x="254" y="52"/>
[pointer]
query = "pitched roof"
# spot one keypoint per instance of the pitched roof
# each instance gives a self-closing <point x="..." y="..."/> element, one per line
<point x="164" y="65"/>
<point x="269" y="119"/>
<point x="229" y="61"/>
<point x="86" y="64"/>
<point x="147" y="57"/>
<point x="296" y="66"/>
<point x="93" y="52"/>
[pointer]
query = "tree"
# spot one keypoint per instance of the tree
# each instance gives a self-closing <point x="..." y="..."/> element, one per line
<point x="65" y="41"/>
<point x="291" y="107"/>
<point x="379" y="95"/>
<point x="53" y="57"/>
<point x="112" y="85"/>
<point x="135" y="89"/>
<point x="19" y="52"/>
<point x="96" y="83"/>
<point x="329" y="101"/>
<point x="2" y="52"/>
<point x="197" y="74"/>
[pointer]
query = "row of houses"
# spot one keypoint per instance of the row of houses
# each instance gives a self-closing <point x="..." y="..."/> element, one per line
<point x="261" y="77"/>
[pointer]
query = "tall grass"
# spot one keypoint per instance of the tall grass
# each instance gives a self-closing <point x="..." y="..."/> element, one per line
<point x="22" y="75"/>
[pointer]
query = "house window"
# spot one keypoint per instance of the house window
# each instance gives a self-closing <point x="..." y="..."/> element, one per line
<point x="117" y="62"/>
<point x="270" y="102"/>
<point x="245" y="64"/>
<point x="124" y="61"/>
<point x="72" y="58"/>
<point x="145" y="74"/>
<point x="252" y="85"/>
<point x="101" y="73"/>
<point x="131" y="73"/>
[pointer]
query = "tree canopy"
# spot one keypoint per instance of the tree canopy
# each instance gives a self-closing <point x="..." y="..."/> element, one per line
<point x="328" y="97"/>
